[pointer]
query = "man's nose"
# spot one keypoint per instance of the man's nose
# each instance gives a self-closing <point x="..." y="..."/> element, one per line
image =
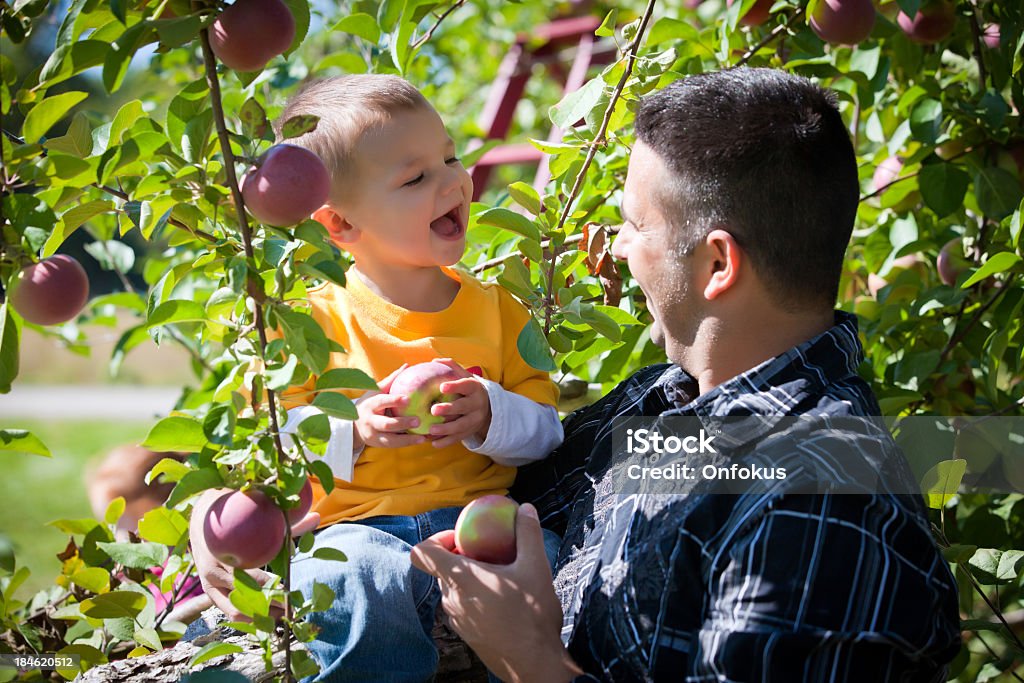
<point x="620" y="246"/>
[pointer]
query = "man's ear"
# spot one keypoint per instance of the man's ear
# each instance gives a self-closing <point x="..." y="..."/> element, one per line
<point x="724" y="257"/>
<point x="339" y="229"/>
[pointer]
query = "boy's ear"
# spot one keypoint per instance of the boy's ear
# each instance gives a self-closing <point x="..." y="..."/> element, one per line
<point x="339" y="229"/>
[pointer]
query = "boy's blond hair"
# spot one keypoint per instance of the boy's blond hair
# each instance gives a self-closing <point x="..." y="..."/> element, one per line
<point x="347" y="107"/>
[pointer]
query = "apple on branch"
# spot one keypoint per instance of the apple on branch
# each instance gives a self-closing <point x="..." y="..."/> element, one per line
<point x="933" y="22"/>
<point x="846" y="22"/>
<point x="250" y="33"/>
<point x="286" y="186"/>
<point x="52" y="291"/>
<point x="244" y="529"/>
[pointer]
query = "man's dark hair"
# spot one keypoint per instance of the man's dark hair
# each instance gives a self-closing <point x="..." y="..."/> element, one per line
<point x="765" y="155"/>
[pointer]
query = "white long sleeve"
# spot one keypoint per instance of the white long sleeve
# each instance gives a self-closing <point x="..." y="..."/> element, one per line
<point x="521" y="430"/>
<point x="339" y="455"/>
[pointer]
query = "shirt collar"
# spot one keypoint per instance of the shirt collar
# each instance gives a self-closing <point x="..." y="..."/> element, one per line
<point x="777" y="387"/>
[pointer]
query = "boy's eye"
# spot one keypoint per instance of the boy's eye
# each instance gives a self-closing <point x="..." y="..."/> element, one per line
<point x="452" y="160"/>
<point x="414" y="181"/>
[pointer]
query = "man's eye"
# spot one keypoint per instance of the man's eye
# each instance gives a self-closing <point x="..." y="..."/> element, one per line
<point x="414" y="181"/>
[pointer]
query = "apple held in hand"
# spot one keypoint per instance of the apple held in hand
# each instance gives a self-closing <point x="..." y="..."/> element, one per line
<point x="250" y="33"/>
<point x="52" y="291"/>
<point x="287" y="185"/>
<point x="486" y="530"/>
<point x="244" y="529"/>
<point x="421" y="384"/>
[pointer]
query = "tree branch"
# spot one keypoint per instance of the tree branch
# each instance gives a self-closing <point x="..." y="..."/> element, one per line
<point x="598" y="141"/>
<point x="253" y="286"/>
<point x="775" y="33"/>
<point x="426" y="36"/>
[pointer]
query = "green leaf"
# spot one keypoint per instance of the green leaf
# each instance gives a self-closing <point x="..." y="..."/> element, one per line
<point x="22" y="441"/>
<point x="322" y="471"/>
<point x="998" y="263"/>
<point x="194" y="482"/>
<point x="299" y="125"/>
<point x="77" y="141"/>
<point x="607" y="27"/>
<point x="345" y="378"/>
<point x="943" y="187"/>
<point x="115" y="65"/>
<point x="135" y="555"/>
<point x="533" y="347"/>
<point x="176" y="311"/>
<point x="526" y="197"/>
<point x="176" y="433"/>
<point x="668" y="28"/>
<point x="577" y="104"/>
<point x="219" y="425"/>
<point x="993" y="566"/>
<point x="332" y="554"/>
<point x="148" y="637"/>
<point x="212" y="651"/>
<point x="359" y="24"/>
<point x="509" y="220"/>
<point x="300" y="13"/>
<point x="941" y="482"/>
<point x="253" y="118"/>
<point x="92" y="579"/>
<point x="336" y="405"/>
<point x="323" y="269"/>
<point x="161" y="525"/>
<point x="9" y="357"/>
<point x="601" y="323"/>
<point x="305" y="338"/>
<point x="926" y="120"/>
<point x="70" y="59"/>
<point x="248" y="597"/>
<point x="112" y="255"/>
<point x="114" y="605"/>
<point x="89" y="657"/>
<point x="998" y="192"/>
<point x="179" y="30"/>
<point x="44" y="115"/>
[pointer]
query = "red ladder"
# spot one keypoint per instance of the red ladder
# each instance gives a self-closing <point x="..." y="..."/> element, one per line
<point x="513" y="74"/>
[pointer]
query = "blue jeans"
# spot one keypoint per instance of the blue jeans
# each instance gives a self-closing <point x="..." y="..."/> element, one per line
<point x="379" y="625"/>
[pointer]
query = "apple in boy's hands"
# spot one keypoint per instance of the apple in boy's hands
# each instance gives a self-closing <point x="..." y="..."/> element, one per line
<point x="421" y="384"/>
<point x="486" y="530"/>
<point x="244" y="529"/>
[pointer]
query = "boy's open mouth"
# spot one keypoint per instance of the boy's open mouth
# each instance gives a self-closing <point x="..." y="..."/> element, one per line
<point x="449" y="226"/>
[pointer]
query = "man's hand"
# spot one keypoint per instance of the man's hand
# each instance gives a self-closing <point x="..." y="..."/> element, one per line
<point x="374" y="427"/>
<point x="508" y="614"/>
<point x="218" y="578"/>
<point x="465" y="417"/>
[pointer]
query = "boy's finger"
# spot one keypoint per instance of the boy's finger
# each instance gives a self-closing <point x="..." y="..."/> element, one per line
<point x="400" y="440"/>
<point x="378" y="403"/>
<point x="459" y="370"/>
<point x="393" y="425"/>
<point x="463" y="386"/>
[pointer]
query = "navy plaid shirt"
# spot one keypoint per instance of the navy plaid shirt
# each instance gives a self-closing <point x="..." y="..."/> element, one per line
<point x="769" y="586"/>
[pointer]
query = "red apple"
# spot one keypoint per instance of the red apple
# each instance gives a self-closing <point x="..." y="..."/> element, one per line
<point x="932" y="23"/>
<point x="421" y="384"/>
<point x="843" y="21"/>
<point x="244" y="529"/>
<point x="52" y="291"/>
<point x="951" y="262"/>
<point x="486" y="530"/>
<point x="886" y="173"/>
<point x="287" y="185"/>
<point x="250" y="33"/>
<point x="296" y="514"/>
<point x="758" y="14"/>
<point x="991" y="36"/>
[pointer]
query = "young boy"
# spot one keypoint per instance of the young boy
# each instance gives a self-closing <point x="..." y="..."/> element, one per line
<point x="400" y="206"/>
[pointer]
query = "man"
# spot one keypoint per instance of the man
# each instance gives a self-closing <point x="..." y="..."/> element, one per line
<point x="738" y="205"/>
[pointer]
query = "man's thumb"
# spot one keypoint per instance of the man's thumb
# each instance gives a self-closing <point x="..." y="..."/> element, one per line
<point x="529" y="537"/>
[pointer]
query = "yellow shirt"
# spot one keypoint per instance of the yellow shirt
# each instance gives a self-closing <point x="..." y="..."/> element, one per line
<point x="479" y="328"/>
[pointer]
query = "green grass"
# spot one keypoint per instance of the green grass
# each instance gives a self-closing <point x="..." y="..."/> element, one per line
<point x="36" y="490"/>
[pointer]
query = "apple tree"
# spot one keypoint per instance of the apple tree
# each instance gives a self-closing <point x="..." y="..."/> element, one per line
<point x="931" y="90"/>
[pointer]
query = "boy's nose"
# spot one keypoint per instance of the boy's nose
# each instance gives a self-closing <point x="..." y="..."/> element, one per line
<point x="453" y="180"/>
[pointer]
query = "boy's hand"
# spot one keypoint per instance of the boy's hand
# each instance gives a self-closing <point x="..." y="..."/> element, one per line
<point x="467" y="416"/>
<point x="374" y="427"/>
